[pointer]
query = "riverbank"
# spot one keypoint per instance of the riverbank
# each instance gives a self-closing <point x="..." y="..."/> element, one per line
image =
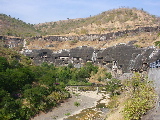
<point x="86" y="99"/>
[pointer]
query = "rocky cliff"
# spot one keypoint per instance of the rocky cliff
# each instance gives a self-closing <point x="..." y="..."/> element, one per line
<point x="121" y="58"/>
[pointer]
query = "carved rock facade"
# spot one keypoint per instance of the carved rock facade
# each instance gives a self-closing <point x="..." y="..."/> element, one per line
<point x="120" y="58"/>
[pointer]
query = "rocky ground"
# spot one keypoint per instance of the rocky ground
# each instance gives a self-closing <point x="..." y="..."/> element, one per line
<point x="86" y="100"/>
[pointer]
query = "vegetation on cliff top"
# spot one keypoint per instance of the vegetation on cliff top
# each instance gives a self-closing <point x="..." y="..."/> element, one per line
<point x="108" y="21"/>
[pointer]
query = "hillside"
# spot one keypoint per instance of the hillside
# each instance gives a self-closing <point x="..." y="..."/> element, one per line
<point x="14" y="57"/>
<point x="28" y="87"/>
<point x="109" y="21"/>
<point x="14" y="27"/>
<point x="141" y="39"/>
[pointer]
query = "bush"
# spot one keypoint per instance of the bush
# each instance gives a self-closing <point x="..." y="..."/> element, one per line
<point x="3" y="64"/>
<point x="108" y="75"/>
<point x="36" y="95"/>
<point x="113" y="86"/>
<point x="99" y="79"/>
<point x="26" y="90"/>
<point x="157" y="43"/>
<point x="113" y="103"/>
<point x="67" y="114"/>
<point x="142" y="98"/>
<point x="77" y="104"/>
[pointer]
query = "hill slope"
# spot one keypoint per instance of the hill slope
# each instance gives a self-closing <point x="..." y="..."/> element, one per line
<point x="15" y="27"/>
<point x="109" y="21"/>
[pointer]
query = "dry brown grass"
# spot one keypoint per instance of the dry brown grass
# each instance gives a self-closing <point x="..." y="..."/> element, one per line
<point x="109" y="21"/>
<point x="143" y="40"/>
<point x="101" y="73"/>
<point x="116" y="113"/>
<point x="64" y="44"/>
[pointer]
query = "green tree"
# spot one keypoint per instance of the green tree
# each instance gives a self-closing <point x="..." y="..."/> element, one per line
<point x="8" y="106"/>
<point x="70" y="65"/>
<point x="15" y="64"/>
<point x="63" y="74"/>
<point x="36" y="95"/>
<point x="15" y="79"/>
<point x="3" y="64"/>
<point x="113" y="86"/>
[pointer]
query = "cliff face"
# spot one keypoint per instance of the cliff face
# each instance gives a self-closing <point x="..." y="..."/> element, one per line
<point x="111" y="28"/>
<point x="100" y="37"/>
<point x="140" y="37"/>
<point x="120" y="59"/>
<point x="98" y="40"/>
<point x="11" y="42"/>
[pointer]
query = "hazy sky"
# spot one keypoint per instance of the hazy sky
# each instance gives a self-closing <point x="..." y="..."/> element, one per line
<point x="40" y="11"/>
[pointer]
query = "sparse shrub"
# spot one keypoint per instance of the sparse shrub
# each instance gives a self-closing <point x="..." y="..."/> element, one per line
<point x="113" y="103"/>
<point x="138" y="46"/>
<point x="108" y="75"/>
<point x="100" y="79"/>
<point x="84" y="31"/>
<point x="70" y="65"/>
<point x="67" y="114"/>
<point x="113" y="86"/>
<point x="77" y="104"/>
<point x="142" y="98"/>
<point x="157" y="43"/>
<point x="77" y="94"/>
<point x="73" y="42"/>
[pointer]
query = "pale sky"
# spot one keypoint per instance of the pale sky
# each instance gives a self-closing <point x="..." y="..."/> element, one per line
<point x="40" y="11"/>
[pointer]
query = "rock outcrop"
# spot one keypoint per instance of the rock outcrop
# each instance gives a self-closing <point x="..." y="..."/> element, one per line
<point x="99" y="37"/>
<point x="121" y="58"/>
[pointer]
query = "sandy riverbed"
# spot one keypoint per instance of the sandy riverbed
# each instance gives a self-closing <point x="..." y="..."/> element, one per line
<point x="86" y="100"/>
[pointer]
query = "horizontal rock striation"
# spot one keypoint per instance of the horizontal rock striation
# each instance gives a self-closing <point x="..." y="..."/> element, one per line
<point x="100" y="37"/>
